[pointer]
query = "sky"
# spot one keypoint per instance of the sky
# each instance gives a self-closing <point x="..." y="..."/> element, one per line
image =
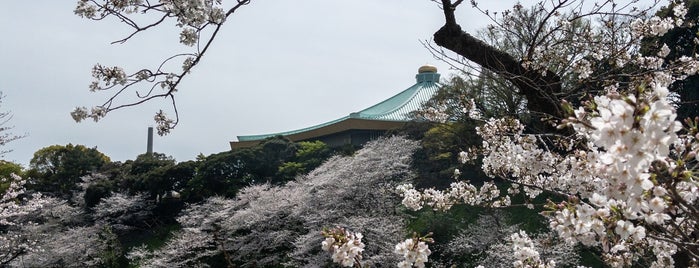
<point x="277" y="65"/>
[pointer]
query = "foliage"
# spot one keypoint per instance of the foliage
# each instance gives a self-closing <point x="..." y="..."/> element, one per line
<point x="310" y="154"/>
<point x="268" y="156"/>
<point x="58" y="168"/>
<point x="94" y="187"/>
<point x="438" y="156"/>
<point x="147" y="162"/>
<point x="146" y="174"/>
<point x="6" y="170"/>
<point x="226" y="173"/>
<point x="220" y="174"/>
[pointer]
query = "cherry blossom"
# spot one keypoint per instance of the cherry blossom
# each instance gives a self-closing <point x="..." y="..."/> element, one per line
<point x="526" y="256"/>
<point x="346" y="247"/>
<point x="414" y="251"/>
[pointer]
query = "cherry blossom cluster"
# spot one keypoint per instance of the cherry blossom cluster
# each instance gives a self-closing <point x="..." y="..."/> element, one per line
<point x="107" y="76"/>
<point x="461" y="192"/>
<point x="346" y="247"/>
<point x="664" y="71"/>
<point x="526" y="256"/>
<point x="92" y="10"/>
<point x="465" y="157"/>
<point x="193" y="15"/>
<point x="544" y="49"/>
<point x="514" y="154"/>
<point x="435" y="114"/>
<point x="437" y="111"/>
<point x="16" y="203"/>
<point x="656" y="26"/>
<point x="629" y="138"/>
<point x="414" y="251"/>
<point x="163" y="122"/>
<point x="471" y="110"/>
<point x="81" y="113"/>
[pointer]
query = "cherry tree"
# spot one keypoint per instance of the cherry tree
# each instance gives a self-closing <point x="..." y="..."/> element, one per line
<point x="618" y="163"/>
<point x="79" y="246"/>
<point x="39" y="231"/>
<point x="121" y="212"/>
<point x="488" y="242"/>
<point x="270" y="225"/>
<point x="16" y="204"/>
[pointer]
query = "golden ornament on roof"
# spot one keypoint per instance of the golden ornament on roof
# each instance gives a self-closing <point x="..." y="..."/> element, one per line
<point x="427" y="69"/>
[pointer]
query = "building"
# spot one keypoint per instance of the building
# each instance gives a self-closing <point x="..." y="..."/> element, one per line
<point x="370" y="123"/>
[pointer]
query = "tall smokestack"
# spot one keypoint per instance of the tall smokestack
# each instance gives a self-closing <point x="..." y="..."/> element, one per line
<point x="150" y="141"/>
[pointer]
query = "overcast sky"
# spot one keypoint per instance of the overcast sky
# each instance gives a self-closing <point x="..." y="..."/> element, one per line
<point x="277" y="65"/>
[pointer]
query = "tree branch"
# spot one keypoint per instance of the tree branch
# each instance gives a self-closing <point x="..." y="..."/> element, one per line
<point x="538" y="86"/>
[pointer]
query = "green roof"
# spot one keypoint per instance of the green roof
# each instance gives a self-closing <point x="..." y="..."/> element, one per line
<point x="397" y="108"/>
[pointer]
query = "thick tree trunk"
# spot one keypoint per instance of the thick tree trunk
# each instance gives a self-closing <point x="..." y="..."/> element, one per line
<point x="540" y="90"/>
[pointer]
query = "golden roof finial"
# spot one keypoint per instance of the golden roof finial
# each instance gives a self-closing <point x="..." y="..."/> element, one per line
<point x="427" y="69"/>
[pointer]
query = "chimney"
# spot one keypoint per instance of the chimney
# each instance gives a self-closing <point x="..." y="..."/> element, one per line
<point x="149" y="150"/>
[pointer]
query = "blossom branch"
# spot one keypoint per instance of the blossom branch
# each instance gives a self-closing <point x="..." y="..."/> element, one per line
<point x="192" y="17"/>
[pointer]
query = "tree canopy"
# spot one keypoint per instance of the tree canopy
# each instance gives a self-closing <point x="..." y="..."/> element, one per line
<point x="58" y="168"/>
